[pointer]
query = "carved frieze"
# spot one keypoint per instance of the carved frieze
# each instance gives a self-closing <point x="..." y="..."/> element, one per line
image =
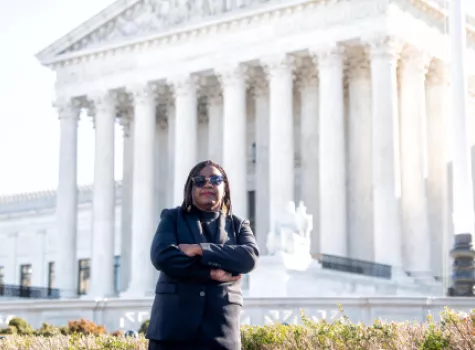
<point x="152" y="16"/>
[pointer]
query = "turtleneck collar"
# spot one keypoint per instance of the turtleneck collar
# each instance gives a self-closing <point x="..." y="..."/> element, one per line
<point x="206" y="215"/>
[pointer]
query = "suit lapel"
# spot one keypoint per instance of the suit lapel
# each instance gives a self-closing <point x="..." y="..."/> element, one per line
<point x="222" y="237"/>
<point x="194" y="226"/>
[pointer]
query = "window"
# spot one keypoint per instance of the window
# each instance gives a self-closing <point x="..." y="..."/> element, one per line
<point x="251" y="205"/>
<point x="25" y="275"/>
<point x="84" y="276"/>
<point x="116" y="273"/>
<point x="51" y="275"/>
<point x="253" y="153"/>
<point x="2" y="275"/>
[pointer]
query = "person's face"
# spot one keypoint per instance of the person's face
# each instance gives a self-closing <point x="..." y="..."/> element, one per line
<point x="208" y="189"/>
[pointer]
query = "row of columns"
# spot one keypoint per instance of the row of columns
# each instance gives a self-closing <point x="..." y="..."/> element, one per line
<point x="323" y="145"/>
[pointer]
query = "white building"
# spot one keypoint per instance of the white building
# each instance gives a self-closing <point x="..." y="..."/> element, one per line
<point x="341" y="104"/>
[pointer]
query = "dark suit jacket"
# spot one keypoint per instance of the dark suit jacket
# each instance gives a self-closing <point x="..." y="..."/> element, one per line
<point x="189" y="305"/>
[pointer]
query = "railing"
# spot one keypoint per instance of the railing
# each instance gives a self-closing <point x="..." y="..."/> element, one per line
<point x="360" y="267"/>
<point x="15" y="291"/>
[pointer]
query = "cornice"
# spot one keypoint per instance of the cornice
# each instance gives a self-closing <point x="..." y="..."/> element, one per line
<point x="436" y="9"/>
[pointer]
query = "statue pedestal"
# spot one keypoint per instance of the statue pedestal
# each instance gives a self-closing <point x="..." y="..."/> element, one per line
<point x="270" y="278"/>
<point x="285" y="275"/>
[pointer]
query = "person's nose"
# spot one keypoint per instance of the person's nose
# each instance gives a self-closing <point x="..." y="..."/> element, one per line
<point x="208" y="184"/>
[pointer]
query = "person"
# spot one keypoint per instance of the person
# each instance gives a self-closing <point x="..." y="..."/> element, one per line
<point x="201" y="250"/>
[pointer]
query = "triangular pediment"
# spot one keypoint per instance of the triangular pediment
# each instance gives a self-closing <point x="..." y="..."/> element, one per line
<point x="126" y="20"/>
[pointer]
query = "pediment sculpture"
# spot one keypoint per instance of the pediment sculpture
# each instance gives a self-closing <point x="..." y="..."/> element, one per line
<point x="151" y="16"/>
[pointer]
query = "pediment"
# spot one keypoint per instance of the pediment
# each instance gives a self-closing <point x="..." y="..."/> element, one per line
<point x="126" y="20"/>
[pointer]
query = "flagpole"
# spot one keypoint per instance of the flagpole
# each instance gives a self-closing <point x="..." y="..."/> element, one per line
<point x="463" y="203"/>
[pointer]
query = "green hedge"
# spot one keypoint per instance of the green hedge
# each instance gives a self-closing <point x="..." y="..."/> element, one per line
<point x="454" y="331"/>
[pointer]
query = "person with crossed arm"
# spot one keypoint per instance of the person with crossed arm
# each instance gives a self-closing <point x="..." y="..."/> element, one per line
<point x="201" y="250"/>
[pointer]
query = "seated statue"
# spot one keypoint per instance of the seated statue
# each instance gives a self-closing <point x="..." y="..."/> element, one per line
<point x="292" y="231"/>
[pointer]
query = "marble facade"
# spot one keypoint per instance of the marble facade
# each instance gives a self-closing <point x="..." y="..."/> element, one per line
<point x="335" y="104"/>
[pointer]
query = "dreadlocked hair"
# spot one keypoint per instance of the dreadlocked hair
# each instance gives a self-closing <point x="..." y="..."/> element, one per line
<point x="226" y="206"/>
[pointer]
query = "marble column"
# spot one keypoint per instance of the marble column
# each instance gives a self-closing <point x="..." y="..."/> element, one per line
<point x="332" y="177"/>
<point x="144" y="217"/>
<point x="66" y="204"/>
<point x="162" y="170"/>
<point x="185" y="134"/>
<point x="103" y="203"/>
<point x="462" y="185"/>
<point x="170" y="151"/>
<point x="263" y="220"/>
<point x="203" y="133"/>
<point x="360" y="182"/>
<point x="384" y="52"/>
<point x="233" y="85"/>
<point x="309" y="141"/>
<point x="437" y="104"/>
<point x="415" y="225"/>
<point x="279" y="69"/>
<point x="215" y="123"/>
<point x="126" y="211"/>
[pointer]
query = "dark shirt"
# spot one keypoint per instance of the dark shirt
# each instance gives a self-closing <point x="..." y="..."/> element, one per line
<point x="210" y="224"/>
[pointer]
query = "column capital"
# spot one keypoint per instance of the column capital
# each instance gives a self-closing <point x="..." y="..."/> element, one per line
<point x="125" y="121"/>
<point x="278" y="65"/>
<point x="232" y="74"/>
<point x="103" y="102"/>
<point x="183" y="85"/>
<point x="260" y="87"/>
<point x="307" y="74"/>
<point x="143" y="93"/>
<point x="202" y="112"/>
<point x="383" y="46"/>
<point x="415" y="61"/>
<point x="437" y="73"/>
<point x="358" y="65"/>
<point x="67" y="108"/>
<point x="214" y="94"/>
<point x="329" y="55"/>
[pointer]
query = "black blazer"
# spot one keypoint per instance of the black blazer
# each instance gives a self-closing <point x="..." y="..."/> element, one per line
<point x="189" y="305"/>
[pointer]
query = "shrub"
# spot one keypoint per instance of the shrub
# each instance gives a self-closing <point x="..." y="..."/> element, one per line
<point x="117" y="333"/>
<point x="83" y="326"/>
<point x="8" y="331"/>
<point x="22" y="327"/>
<point x="47" y="330"/>
<point x="143" y="327"/>
<point x="455" y="331"/>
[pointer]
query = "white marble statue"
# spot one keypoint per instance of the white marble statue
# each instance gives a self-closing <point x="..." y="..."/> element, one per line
<point x="292" y="232"/>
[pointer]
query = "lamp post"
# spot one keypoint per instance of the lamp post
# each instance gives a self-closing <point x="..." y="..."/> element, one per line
<point x="463" y="268"/>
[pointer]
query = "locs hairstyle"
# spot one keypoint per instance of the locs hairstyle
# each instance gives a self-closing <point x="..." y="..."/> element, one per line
<point x="226" y="205"/>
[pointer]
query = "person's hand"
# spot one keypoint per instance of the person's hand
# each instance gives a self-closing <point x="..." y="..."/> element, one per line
<point x="191" y="249"/>
<point x="223" y="276"/>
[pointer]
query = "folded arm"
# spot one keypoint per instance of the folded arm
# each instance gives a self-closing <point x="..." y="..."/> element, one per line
<point x="237" y="259"/>
<point x="167" y="257"/>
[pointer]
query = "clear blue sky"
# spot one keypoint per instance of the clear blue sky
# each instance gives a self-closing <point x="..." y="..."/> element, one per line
<point x="29" y="129"/>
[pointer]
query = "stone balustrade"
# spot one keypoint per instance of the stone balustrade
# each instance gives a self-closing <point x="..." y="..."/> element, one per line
<point x="127" y="314"/>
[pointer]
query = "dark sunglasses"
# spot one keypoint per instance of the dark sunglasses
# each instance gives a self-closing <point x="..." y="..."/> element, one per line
<point x="200" y="181"/>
